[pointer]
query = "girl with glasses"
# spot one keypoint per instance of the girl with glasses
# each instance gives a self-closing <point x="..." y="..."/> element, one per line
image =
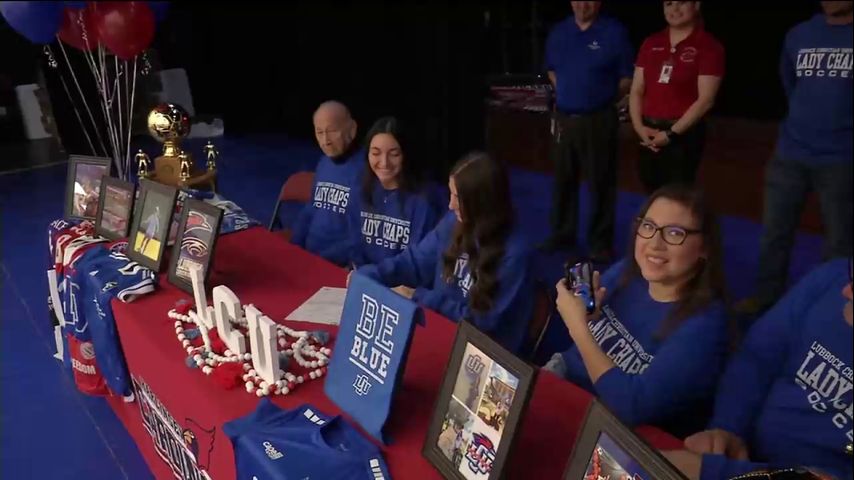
<point x="656" y="344"/>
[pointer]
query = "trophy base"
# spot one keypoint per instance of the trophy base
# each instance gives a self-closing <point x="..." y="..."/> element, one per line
<point x="167" y="170"/>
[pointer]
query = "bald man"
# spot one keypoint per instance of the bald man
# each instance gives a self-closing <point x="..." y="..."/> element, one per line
<point x="322" y="226"/>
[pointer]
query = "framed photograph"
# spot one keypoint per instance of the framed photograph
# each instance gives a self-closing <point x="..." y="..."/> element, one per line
<point x="150" y="229"/>
<point x="83" y="186"/>
<point x="115" y="208"/>
<point x="195" y="242"/>
<point x="606" y="448"/>
<point x="482" y="400"/>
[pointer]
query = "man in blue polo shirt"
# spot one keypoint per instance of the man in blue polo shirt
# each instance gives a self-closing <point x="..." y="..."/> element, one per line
<point x="590" y="62"/>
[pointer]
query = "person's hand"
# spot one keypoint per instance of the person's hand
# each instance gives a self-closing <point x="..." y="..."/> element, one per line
<point x="660" y="140"/>
<point x="349" y="274"/>
<point x="404" y="291"/>
<point x="646" y="135"/>
<point x="572" y="309"/>
<point x="689" y="463"/>
<point x="717" y="442"/>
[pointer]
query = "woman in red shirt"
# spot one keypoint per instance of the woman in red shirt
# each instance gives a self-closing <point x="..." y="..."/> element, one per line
<point x="677" y="76"/>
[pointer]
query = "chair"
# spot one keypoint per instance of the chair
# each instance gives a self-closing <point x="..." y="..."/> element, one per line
<point x="296" y="189"/>
<point x="543" y="307"/>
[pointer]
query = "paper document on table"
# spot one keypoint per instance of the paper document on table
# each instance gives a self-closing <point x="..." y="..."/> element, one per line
<point x="325" y="306"/>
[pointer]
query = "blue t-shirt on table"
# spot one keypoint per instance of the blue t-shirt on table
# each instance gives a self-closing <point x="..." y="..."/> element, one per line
<point x="322" y="226"/>
<point x="301" y="444"/>
<point x="395" y="220"/>
<point x="422" y="266"/>
<point x="815" y="67"/>
<point x="788" y="391"/>
<point x="655" y="380"/>
<point x="588" y="63"/>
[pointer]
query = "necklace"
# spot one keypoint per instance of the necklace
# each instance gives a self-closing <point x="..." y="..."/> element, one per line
<point x="306" y="348"/>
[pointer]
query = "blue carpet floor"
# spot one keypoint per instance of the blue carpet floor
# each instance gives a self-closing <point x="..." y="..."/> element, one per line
<point x="50" y="431"/>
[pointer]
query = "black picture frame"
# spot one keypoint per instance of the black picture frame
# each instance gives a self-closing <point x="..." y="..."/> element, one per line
<point x="112" y="206"/>
<point x="602" y="431"/>
<point x="202" y="239"/>
<point x="82" y="197"/>
<point x="467" y="413"/>
<point x="156" y="203"/>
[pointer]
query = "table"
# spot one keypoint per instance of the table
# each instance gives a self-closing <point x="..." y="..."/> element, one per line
<point x="263" y="269"/>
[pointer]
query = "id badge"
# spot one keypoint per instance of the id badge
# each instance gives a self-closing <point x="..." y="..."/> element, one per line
<point x="666" y="71"/>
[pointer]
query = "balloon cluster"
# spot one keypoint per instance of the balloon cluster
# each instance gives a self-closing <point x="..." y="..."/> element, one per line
<point x="125" y="29"/>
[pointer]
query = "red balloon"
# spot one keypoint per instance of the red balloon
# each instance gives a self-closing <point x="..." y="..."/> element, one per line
<point x="125" y="28"/>
<point x="71" y="31"/>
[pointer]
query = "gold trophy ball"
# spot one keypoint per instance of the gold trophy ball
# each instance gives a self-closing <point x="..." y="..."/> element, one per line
<point x="168" y="122"/>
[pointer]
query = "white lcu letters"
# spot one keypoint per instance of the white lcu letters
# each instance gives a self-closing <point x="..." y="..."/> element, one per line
<point x="262" y="339"/>
<point x="226" y="308"/>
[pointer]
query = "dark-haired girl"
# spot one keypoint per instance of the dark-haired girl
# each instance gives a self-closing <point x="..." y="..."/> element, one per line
<point x="393" y="211"/>
<point x="475" y="264"/>
<point x="654" y="350"/>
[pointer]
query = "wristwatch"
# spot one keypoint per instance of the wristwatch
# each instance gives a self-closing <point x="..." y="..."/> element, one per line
<point x="671" y="135"/>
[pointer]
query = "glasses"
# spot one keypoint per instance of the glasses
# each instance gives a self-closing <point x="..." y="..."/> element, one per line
<point x="671" y="234"/>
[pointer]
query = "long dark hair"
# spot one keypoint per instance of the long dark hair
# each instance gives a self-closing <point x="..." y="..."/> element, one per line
<point x="708" y="284"/>
<point x="410" y="174"/>
<point x="483" y="191"/>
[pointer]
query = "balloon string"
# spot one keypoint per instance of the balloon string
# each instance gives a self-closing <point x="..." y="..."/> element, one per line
<point x="117" y="90"/>
<point x="53" y="64"/>
<point x="83" y="97"/>
<point x="130" y="113"/>
<point x="107" y="108"/>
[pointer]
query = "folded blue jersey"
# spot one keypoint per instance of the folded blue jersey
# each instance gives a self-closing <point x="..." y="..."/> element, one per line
<point x="301" y="444"/>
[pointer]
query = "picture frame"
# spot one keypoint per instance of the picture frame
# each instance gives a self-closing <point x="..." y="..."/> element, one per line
<point x="482" y="400"/>
<point x="115" y="208"/>
<point x="83" y="185"/>
<point x="151" y="223"/>
<point x="195" y="242"/>
<point x="607" y="447"/>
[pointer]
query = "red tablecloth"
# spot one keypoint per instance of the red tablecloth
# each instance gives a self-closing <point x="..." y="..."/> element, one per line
<point x="264" y="270"/>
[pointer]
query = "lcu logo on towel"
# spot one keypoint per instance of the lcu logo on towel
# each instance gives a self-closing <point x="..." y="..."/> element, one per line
<point x="373" y="340"/>
<point x="332" y="197"/>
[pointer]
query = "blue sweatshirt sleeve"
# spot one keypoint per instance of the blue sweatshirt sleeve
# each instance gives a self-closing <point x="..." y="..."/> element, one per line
<point x="299" y="230"/>
<point x="787" y="67"/>
<point x="751" y="372"/>
<point x="513" y="283"/>
<point x="357" y="243"/>
<point x="414" y="266"/>
<point x="423" y="219"/>
<point x="684" y="371"/>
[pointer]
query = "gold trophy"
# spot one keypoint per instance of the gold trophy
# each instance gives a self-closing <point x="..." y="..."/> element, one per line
<point x="212" y="154"/>
<point x="143" y="164"/>
<point x="168" y="123"/>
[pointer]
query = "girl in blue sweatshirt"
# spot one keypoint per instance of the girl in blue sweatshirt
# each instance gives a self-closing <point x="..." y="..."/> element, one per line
<point x="654" y="349"/>
<point x="786" y="397"/>
<point x="392" y="212"/>
<point x="475" y="264"/>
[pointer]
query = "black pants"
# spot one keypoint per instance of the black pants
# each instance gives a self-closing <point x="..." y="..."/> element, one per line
<point x="677" y="162"/>
<point x="588" y="143"/>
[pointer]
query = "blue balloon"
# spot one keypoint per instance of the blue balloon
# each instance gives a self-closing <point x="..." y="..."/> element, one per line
<point x="37" y="21"/>
<point x="159" y="9"/>
<point x="75" y="5"/>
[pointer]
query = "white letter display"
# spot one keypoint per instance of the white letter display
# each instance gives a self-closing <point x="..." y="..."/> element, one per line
<point x="226" y="309"/>
<point x="262" y="339"/>
<point x="203" y="311"/>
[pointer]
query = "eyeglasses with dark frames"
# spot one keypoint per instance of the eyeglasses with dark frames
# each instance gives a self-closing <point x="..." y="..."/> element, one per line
<point x="671" y="234"/>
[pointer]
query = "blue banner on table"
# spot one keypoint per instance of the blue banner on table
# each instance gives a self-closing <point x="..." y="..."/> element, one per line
<point x="370" y="352"/>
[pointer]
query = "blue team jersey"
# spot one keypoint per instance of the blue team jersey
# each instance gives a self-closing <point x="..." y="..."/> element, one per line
<point x="301" y="444"/>
<point x="111" y="276"/>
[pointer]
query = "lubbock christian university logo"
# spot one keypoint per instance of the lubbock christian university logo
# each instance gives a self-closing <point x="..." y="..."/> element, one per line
<point x="372" y="344"/>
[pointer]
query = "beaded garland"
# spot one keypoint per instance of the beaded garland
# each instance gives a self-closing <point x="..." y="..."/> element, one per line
<point x="307" y="349"/>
